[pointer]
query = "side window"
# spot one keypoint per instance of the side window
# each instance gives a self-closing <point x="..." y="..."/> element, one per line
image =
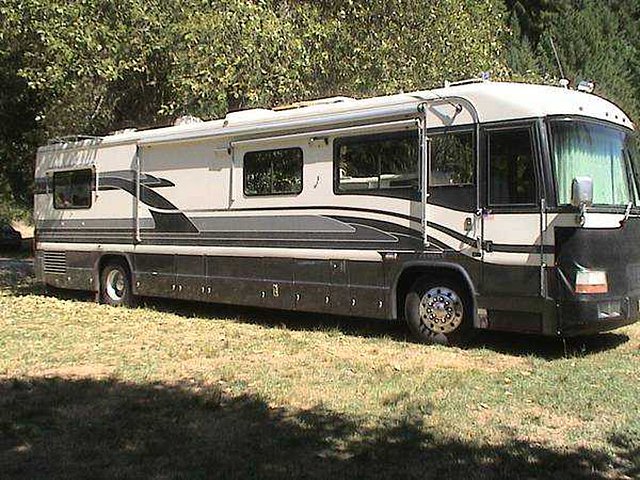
<point x="72" y="189"/>
<point x="273" y="172"/>
<point x="511" y="168"/>
<point x="453" y="170"/>
<point x="382" y="164"/>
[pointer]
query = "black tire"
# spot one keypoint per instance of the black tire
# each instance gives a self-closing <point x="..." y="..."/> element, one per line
<point x="439" y="311"/>
<point x="115" y="285"/>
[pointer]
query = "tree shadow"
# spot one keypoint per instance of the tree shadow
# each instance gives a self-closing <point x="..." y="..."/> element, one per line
<point x="63" y="428"/>
<point x="15" y="272"/>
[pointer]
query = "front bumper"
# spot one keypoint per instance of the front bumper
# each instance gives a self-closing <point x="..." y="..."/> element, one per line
<point x="595" y="315"/>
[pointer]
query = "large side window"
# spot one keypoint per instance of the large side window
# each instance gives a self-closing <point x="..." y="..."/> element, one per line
<point x="380" y="164"/>
<point x="511" y="168"/>
<point x="453" y="170"/>
<point x="72" y="189"/>
<point x="273" y="172"/>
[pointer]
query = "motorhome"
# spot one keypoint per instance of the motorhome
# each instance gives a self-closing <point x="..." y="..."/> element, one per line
<point x="480" y="205"/>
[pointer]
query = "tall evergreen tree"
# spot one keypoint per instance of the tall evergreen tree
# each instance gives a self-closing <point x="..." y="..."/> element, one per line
<point x="595" y="40"/>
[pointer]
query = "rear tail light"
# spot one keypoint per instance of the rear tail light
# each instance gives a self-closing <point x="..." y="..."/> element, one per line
<point x="591" y="281"/>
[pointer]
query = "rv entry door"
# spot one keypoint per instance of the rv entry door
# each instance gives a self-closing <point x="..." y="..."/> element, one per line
<point x="511" y="213"/>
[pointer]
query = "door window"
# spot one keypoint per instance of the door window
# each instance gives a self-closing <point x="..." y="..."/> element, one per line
<point x="452" y="178"/>
<point x="511" y="168"/>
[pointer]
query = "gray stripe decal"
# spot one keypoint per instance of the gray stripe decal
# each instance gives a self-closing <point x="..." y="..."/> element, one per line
<point x="298" y="223"/>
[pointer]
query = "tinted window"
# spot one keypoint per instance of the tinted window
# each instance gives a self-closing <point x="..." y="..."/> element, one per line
<point x="452" y="174"/>
<point x="385" y="164"/>
<point x="72" y="189"/>
<point x="511" y="168"/>
<point x="273" y="172"/>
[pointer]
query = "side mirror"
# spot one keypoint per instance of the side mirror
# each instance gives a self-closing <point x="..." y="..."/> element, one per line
<point x="582" y="192"/>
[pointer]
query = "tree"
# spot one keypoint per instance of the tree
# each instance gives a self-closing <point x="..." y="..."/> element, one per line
<point x="92" y="66"/>
<point x="595" y="40"/>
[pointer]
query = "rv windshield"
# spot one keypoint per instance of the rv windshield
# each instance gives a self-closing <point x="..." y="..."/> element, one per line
<point x="604" y="153"/>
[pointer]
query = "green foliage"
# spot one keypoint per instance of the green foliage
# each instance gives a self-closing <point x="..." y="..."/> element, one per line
<point x="92" y="66"/>
<point x="595" y="40"/>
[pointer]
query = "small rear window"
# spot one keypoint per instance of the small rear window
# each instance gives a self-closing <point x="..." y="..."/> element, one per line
<point x="72" y="189"/>
<point x="273" y="172"/>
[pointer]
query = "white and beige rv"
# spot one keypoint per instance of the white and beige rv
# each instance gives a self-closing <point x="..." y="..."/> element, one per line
<point x="480" y="205"/>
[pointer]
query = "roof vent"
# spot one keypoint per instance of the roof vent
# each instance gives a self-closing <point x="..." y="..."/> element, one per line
<point x="248" y="115"/>
<point x="73" y="139"/>
<point x="124" y="130"/>
<point x="484" y="77"/>
<point x="311" y="103"/>
<point x="186" y="120"/>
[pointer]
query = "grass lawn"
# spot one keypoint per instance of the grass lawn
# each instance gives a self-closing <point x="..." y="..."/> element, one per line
<point x="183" y="390"/>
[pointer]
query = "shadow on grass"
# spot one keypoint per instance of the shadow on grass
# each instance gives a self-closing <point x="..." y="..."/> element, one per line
<point x="291" y="320"/>
<point x="16" y="275"/>
<point x="55" y="428"/>
<point x="548" y="348"/>
<point x="16" y="272"/>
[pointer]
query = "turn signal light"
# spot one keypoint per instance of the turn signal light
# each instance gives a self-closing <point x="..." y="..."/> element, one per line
<point x="591" y="281"/>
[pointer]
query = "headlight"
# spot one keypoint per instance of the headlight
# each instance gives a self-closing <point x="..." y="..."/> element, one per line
<point x="591" y="281"/>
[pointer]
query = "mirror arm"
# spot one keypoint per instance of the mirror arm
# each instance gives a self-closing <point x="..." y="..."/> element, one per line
<point x="582" y="215"/>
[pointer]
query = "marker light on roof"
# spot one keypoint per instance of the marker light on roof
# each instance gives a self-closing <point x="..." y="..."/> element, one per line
<point x="586" y="86"/>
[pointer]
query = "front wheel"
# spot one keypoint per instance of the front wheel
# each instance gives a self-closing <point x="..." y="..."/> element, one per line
<point x="439" y="311"/>
<point x="115" y="285"/>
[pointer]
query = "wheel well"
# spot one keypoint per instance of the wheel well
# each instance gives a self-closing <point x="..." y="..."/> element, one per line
<point x="121" y="259"/>
<point x="411" y="274"/>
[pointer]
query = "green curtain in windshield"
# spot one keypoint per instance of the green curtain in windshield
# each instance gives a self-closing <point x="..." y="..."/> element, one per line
<point x="590" y="150"/>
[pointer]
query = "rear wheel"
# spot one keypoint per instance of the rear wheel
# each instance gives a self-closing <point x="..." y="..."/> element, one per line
<point x="439" y="311"/>
<point x="115" y="285"/>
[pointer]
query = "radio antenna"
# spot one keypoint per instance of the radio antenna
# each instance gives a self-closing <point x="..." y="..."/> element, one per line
<point x="563" y="81"/>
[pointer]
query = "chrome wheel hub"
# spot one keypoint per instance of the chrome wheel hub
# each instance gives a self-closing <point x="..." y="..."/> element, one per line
<point x="441" y="310"/>
<point x="115" y="285"/>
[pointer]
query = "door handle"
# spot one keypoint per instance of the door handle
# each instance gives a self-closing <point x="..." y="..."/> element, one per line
<point x="478" y="252"/>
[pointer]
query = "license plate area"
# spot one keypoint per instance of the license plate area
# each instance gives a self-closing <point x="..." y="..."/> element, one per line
<point x="611" y="309"/>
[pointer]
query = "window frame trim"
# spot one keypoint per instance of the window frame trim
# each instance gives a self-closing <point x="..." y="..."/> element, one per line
<point x="271" y="194"/>
<point x="92" y="186"/>
<point x="532" y="126"/>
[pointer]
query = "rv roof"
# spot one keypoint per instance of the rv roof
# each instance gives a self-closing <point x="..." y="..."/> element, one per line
<point x="494" y="101"/>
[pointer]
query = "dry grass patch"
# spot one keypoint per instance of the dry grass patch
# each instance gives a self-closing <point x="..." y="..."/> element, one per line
<point x="76" y="372"/>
